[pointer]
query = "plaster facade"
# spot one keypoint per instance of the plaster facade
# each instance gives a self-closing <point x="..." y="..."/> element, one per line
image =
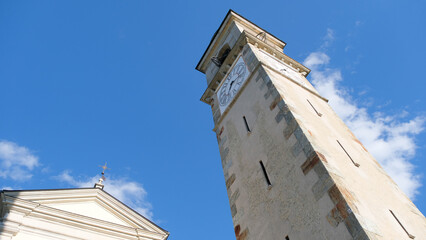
<point x="319" y="181"/>
<point x="85" y="213"/>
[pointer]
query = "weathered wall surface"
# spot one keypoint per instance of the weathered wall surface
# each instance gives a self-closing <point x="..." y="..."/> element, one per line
<point x="369" y="193"/>
<point x="317" y="191"/>
<point x="289" y="207"/>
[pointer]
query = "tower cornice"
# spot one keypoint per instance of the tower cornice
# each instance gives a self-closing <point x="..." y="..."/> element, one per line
<point x="248" y="38"/>
<point x="221" y="33"/>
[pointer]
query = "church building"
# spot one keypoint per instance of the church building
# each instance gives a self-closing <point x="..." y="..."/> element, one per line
<point x="71" y="214"/>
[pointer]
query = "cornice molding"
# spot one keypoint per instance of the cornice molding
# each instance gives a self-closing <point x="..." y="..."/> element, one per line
<point x="247" y="38"/>
<point x="32" y="208"/>
<point x="233" y="17"/>
<point x="295" y="82"/>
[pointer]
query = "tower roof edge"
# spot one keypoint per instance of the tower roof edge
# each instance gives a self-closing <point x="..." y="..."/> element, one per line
<point x="230" y="17"/>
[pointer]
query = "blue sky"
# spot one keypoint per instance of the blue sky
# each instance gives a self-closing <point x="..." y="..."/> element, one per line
<point x="84" y="82"/>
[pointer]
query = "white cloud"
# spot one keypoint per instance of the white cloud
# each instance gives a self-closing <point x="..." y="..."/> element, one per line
<point x="16" y="161"/>
<point x="388" y="138"/>
<point x="315" y="59"/>
<point x="328" y="38"/>
<point x="129" y="192"/>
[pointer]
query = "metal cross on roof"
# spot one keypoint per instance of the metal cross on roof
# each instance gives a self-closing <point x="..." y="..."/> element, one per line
<point x="104" y="167"/>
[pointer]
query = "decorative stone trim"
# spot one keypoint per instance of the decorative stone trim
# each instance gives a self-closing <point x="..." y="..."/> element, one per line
<point x="28" y="204"/>
<point x="295" y="82"/>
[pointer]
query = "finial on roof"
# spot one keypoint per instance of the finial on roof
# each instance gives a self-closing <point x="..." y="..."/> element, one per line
<point x="99" y="183"/>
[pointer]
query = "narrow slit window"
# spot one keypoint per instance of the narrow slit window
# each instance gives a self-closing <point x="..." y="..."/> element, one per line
<point x="400" y="224"/>
<point x="318" y="113"/>
<point x="245" y="122"/>
<point x="265" y="174"/>
<point x="355" y="163"/>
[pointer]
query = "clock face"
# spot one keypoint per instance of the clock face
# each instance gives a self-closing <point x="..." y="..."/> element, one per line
<point x="232" y="83"/>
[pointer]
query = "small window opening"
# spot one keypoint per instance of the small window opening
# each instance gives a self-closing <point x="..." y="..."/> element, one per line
<point x="221" y="56"/>
<point x="409" y="235"/>
<point x="318" y="113"/>
<point x="287" y="238"/>
<point x="245" y="122"/>
<point x="356" y="164"/>
<point x="265" y="174"/>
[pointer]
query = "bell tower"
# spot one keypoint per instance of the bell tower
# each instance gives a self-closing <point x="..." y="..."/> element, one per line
<point x="293" y="169"/>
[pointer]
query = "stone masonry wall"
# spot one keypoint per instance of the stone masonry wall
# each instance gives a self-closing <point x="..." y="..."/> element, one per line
<point x="294" y="205"/>
<point x="317" y="191"/>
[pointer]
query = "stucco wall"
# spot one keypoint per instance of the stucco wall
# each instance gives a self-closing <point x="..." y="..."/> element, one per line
<point x="317" y="191"/>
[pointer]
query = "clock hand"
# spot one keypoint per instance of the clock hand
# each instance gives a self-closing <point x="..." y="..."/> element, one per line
<point x="230" y="86"/>
<point x="234" y="77"/>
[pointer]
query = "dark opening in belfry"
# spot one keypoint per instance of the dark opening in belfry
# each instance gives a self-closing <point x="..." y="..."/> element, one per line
<point x="221" y="56"/>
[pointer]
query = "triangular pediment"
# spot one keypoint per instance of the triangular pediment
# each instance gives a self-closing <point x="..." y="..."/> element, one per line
<point x="91" y="208"/>
<point x="86" y="204"/>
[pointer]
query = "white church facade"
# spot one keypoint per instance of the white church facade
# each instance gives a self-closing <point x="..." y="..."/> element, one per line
<point x="82" y="213"/>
